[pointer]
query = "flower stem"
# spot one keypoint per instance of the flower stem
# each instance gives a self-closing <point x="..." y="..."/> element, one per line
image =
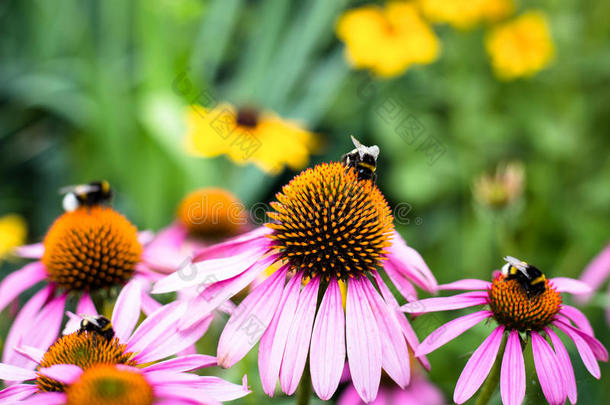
<point x="305" y="388"/>
<point x="493" y="379"/>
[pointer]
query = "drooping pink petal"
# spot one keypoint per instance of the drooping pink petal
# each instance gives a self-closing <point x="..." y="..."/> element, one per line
<point x="176" y="393"/>
<point x="14" y="373"/>
<point x="404" y="286"/>
<point x="465" y="300"/>
<point x="33" y="251"/>
<point x="159" y="324"/>
<point x="127" y="310"/>
<point x="327" y="353"/>
<point x="565" y="365"/>
<point x="405" y="326"/>
<point x="547" y="369"/>
<point x="250" y="320"/>
<point x="576" y="316"/>
<point x="216" y="294"/>
<point x="466" y="284"/>
<point x="478" y="366"/>
<point x="23" y="322"/>
<point x="363" y="342"/>
<point x="17" y="392"/>
<point x="19" y="281"/>
<point x="32" y="353"/>
<point x="209" y="271"/>
<point x="512" y="374"/>
<point x="450" y="331"/>
<point x="64" y="373"/>
<point x="586" y="354"/>
<point x="299" y="336"/>
<point x="236" y="245"/>
<point x="394" y="348"/>
<point x="184" y="363"/>
<point x="149" y="304"/>
<point x="146" y="236"/>
<point x="596" y="346"/>
<point x="46" y="398"/>
<point x="409" y="262"/>
<point x="597" y="271"/>
<point x="221" y="390"/>
<point x="47" y="325"/>
<point x="349" y="397"/>
<point x="570" y="285"/>
<point x="273" y="342"/>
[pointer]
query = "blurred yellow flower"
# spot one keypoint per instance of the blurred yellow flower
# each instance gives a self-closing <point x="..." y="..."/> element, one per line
<point x="520" y="47"/>
<point x="247" y="135"/>
<point x="503" y="188"/>
<point x="13" y="231"/>
<point x="387" y="40"/>
<point x="464" y="14"/>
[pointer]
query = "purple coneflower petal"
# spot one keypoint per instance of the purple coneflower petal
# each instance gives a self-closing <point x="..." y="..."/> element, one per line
<point x="149" y="304"/>
<point x="127" y="310"/>
<point x="404" y="286"/>
<point x="478" y="366"/>
<point x="547" y="368"/>
<point x="565" y="365"/>
<point x="171" y="377"/>
<point x="217" y="293"/>
<point x="466" y="284"/>
<point x="221" y="390"/>
<point x="405" y="326"/>
<point x="176" y="393"/>
<point x="327" y="356"/>
<point x="349" y="397"/>
<point x="236" y="245"/>
<point x="598" y="270"/>
<point x="46" y="398"/>
<point x="409" y="262"/>
<point x="23" y="322"/>
<point x="64" y="373"/>
<point x="363" y="342"/>
<point x="18" y="392"/>
<point x="299" y="336"/>
<point x="596" y="346"/>
<point x="251" y="318"/>
<point x="184" y="363"/>
<point x="394" y="349"/>
<point x="32" y="353"/>
<point x="158" y="324"/>
<point x="576" y="316"/>
<point x="47" y="325"/>
<point x="14" y="373"/>
<point x="273" y="342"/>
<point x="33" y="251"/>
<point x="19" y="281"/>
<point x="465" y="300"/>
<point x="586" y="353"/>
<point x="450" y="331"/>
<point x="512" y="374"/>
<point x="570" y="285"/>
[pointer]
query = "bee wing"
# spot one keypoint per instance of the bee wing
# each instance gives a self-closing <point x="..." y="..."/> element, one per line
<point x="374" y="150"/>
<point x="518" y="264"/>
<point x="362" y="149"/>
<point x="91" y="319"/>
<point x="78" y="189"/>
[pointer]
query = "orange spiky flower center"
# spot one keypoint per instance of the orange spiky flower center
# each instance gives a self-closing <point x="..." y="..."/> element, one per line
<point x="84" y="350"/>
<point x="515" y="309"/>
<point x="91" y="248"/>
<point x="108" y="385"/>
<point x="329" y="223"/>
<point x="212" y="213"/>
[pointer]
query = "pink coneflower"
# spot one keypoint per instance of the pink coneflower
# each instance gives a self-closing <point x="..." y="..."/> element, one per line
<point x="85" y="253"/>
<point x="596" y="273"/>
<point x="521" y="314"/>
<point x="328" y="226"/>
<point x="420" y="391"/>
<point x="82" y="368"/>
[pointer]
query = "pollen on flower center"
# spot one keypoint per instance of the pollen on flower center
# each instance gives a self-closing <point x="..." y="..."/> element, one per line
<point x="107" y="385"/>
<point x="513" y="308"/>
<point x="330" y="223"/>
<point x="84" y="350"/>
<point x="91" y="248"/>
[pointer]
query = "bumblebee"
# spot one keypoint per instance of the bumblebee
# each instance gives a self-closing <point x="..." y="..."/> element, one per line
<point x="94" y="193"/>
<point x="531" y="279"/>
<point x="96" y="326"/>
<point x="363" y="159"/>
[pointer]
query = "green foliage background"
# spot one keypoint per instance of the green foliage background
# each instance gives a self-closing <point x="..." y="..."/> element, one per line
<point x="96" y="89"/>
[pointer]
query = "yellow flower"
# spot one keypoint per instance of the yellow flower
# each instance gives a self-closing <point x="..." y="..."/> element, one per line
<point x="387" y="40"/>
<point x="520" y="47"/>
<point x="464" y="14"/>
<point x="13" y="231"/>
<point x="247" y="135"/>
<point x="503" y="188"/>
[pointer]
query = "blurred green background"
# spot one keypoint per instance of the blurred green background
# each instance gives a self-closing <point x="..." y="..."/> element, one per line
<point x="88" y="91"/>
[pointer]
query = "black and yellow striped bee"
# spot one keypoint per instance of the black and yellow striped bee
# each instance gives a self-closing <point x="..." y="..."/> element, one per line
<point x="363" y="159"/>
<point x="531" y="279"/>
<point x="94" y="193"/>
<point x="99" y="325"/>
